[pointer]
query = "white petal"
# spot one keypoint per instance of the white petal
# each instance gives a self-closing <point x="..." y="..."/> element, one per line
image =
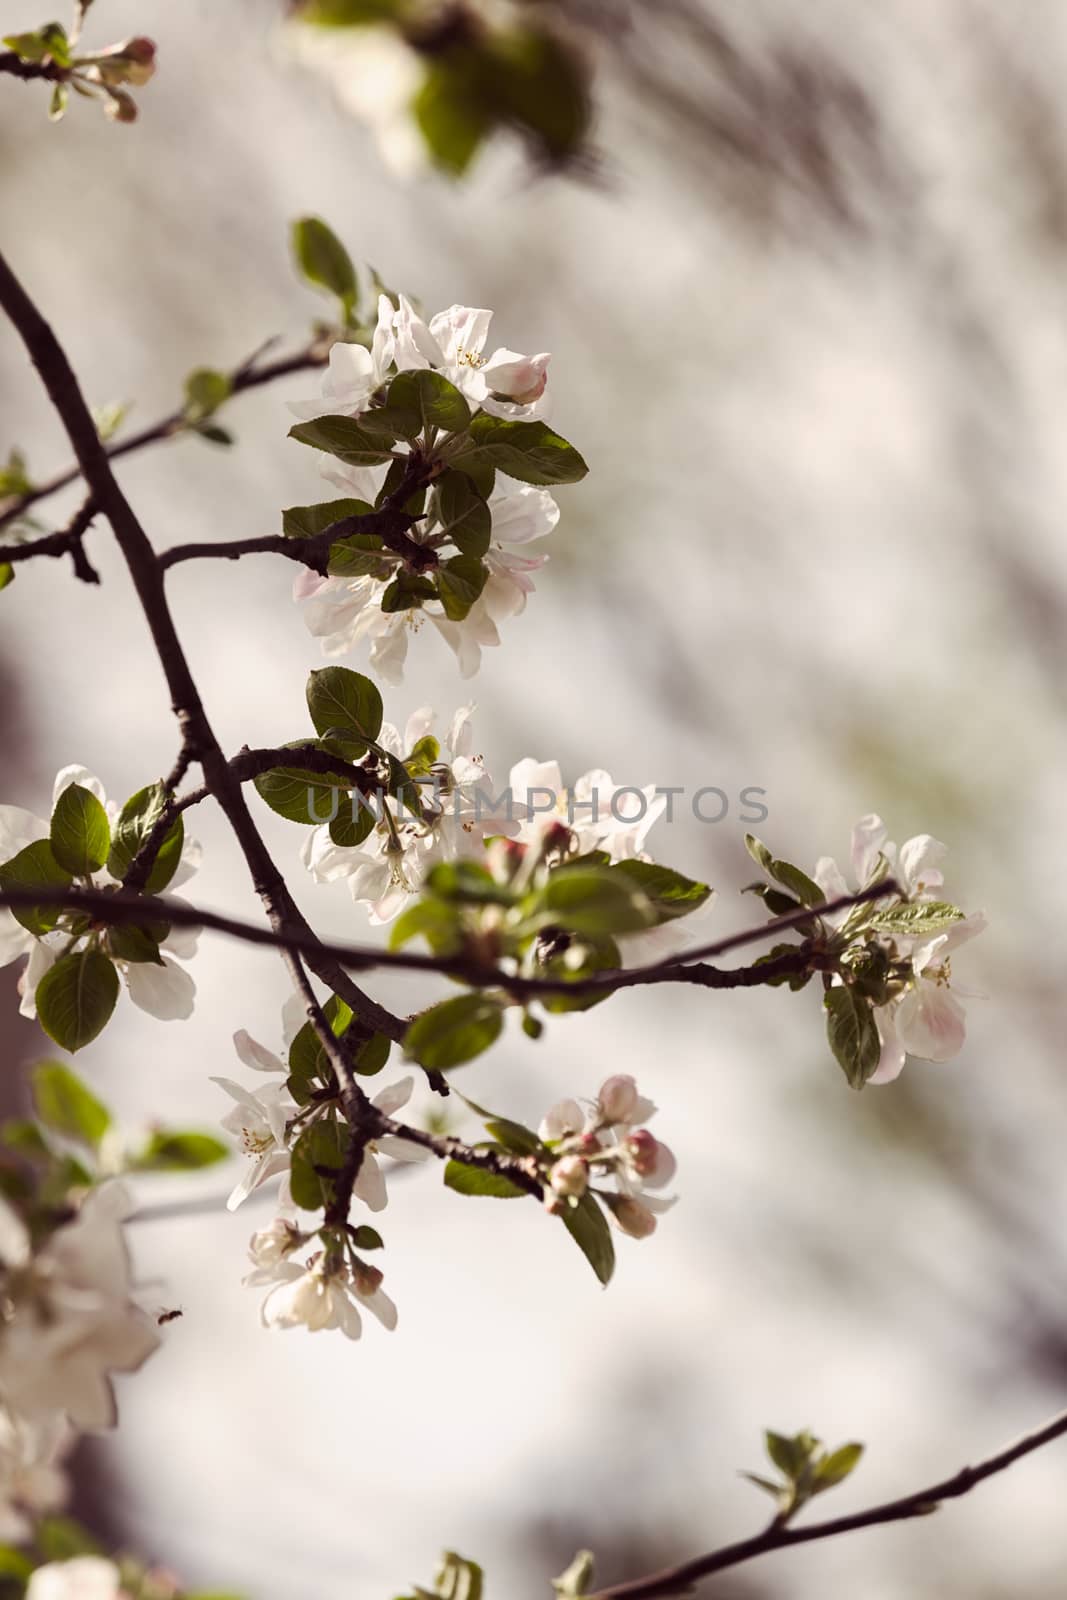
<point x="18" y="828"/>
<point x="370" y="1184"/>
<point x="868" y="838"/>
<point x="83" y="778"/>
<point x="396" y="1095"/>
<point x="166" y="993"/>
<point x="931" y="1021"/>
<point x="255" y="1055"/>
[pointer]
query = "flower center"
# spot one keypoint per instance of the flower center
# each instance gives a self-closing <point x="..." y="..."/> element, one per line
<point x="254" y="1141"/>
<point x="470" y="358"/>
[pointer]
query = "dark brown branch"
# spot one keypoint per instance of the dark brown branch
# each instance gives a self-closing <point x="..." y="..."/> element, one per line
<point x="119" y="906"/>
<point x="390" y="523"/>
<point x="18" y="68"/>
<point x="681" y="1579"/>
<point x="247" y="376"/>
<point x="69" y="541"/>
<point x="197" y="733"/>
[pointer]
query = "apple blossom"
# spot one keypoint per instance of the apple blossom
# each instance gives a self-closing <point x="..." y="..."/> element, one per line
<point x="323" y="1295"/>
<point x="69" y="1319"/>
<point x="31" y="1479"/>
<point x="504" y="384"/>
<point x="354" y="373"/>
<point x="260" y="1118"/>
<point x="165" y="990"/>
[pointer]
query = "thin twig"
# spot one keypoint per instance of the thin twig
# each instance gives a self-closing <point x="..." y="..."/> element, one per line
<point x="119" y="907"/>
<point x="94" y="462"/>
<point x="12" y="63"/>
<point x="245" y="376"/>
<point x="69" y="541"/>
<point x="682" y="1578"/>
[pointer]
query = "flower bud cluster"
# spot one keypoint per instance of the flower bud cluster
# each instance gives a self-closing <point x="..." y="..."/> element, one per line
<point x="608" y="1140"/>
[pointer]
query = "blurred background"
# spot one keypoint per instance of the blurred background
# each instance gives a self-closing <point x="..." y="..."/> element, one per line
<point x="809" y="328"/>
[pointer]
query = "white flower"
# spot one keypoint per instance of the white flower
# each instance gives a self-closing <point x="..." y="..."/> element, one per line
<point x="31" y="1481"/>
<point x="84" y="1578"/>
<point x="370" y="1181"/>
<point x="272" y="1245"/>
<point x="926" y="1020"/>
<point x="354" y="374"/>
<point x="260" y="1118"/>
<point x="504" y="383"/>
<point x="391" y="863"/>
<point x="323" y="1296"/>
<point x="166" y="992"/>
<point x="70" y="1321"/>
<point x="346" y="612"/>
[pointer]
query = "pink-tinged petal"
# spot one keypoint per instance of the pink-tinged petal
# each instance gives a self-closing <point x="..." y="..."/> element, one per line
<point x="830" y="878"/>
<point x="891" y="1061"/>
<point x="665" y="1168"/>
<point x="255" y="1055"/>
<point x="308" y="583"/>
<point x="962" y="932"/>
<point x="519" y="378"/>
<point x="370" y="1184"/>
<point x="931" y="1022"/>
<point x="565" y="1117"/>
<point x="868" y="839"/>
<point x="461" y="330"/>
<point x="522" y="514"/>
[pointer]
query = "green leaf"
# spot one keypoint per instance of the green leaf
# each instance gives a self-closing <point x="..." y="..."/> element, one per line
<point x="76" y="997"/>
<point x="345" y="704"/>
<point x="437" y="923"/>
<point x="541" y="82"/>
<point x="451" y="111"/>
<point x="133" y="943"/>
<point x="324" y="261"/>
<point x="463" y="514"/>
<point x="309" y="1065"/>
<point x="372" y="1055"/>
<point x="669" y="893"/>
<point x="61" y="1539"/>
<point x="205" y="391"/>
<point x="476" y="1180"/>
<point x="171" y="1151"/>
<point x="301" y="796"/>
<point x="344" y="438"/>
<point x="529" y="451"/>
<point x="367" y="1238"/>
<point x="353" y="822"/>
<point x="347" y="13"/>
<point x="852" y="1033"/>
<point x="51" y="40"/>
<point x="460" y="580"/>
<point x="304" y="522"/>
<point x="35" y="867"/>
<point x="595" y="900"/>
<point x="834" y="1468"/>
<point x="81" y="833"/>
<point x="318" y="1155"/>
<point x="469" y="883"/>
<point x="14" y="1564"/>
<point x="454" y="1031"/>
<point x="430" y="398"/>
<point x="914" y="921"/>
<point x="588" y="1227"/>
<point x="407" y="592"/>
<point x="136" y="820"/>
<point x="65" y="1104"/>
<point x="576" y="1581"/>
<point x="790" y="1455"/>
<point x="805" y="889"/>
<point x="7" y="574"/>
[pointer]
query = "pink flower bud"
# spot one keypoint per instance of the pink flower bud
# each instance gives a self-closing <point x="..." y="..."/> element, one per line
<point x="367" y="1279"/>
<point x="618" y="1098"/>
<point x="634" y="1218"/>
<point x="554" y="1204"/>
<point x="643" y="1149"/>
<point x="570" y="1176"/>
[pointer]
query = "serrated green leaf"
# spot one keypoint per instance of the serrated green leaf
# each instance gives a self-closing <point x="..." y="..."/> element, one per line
<point x="429" y="397"/>
<point x="916" y="921"/>
<point x="455" y="1031"/>
<point x="35" y="867"/>
<point x="477" y="1181"/>
<point x="669" y="893"/>
<point x="529" y="451"/>
<point x="80" y="831"/>
<point x="317" y="1157"/>
<point x="76" y="997"/>
<point x="852" y="1033"/>
<point x="345" y="704"/>
<point x="135" y="823"/>
<point x="344" y="438"/>
<point x="66" y="1105"/>
<point x="460" y="580"/>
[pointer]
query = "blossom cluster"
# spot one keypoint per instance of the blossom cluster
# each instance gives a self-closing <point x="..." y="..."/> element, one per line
<point x="608" y="1140"/>
<point x="481" y="491"/>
